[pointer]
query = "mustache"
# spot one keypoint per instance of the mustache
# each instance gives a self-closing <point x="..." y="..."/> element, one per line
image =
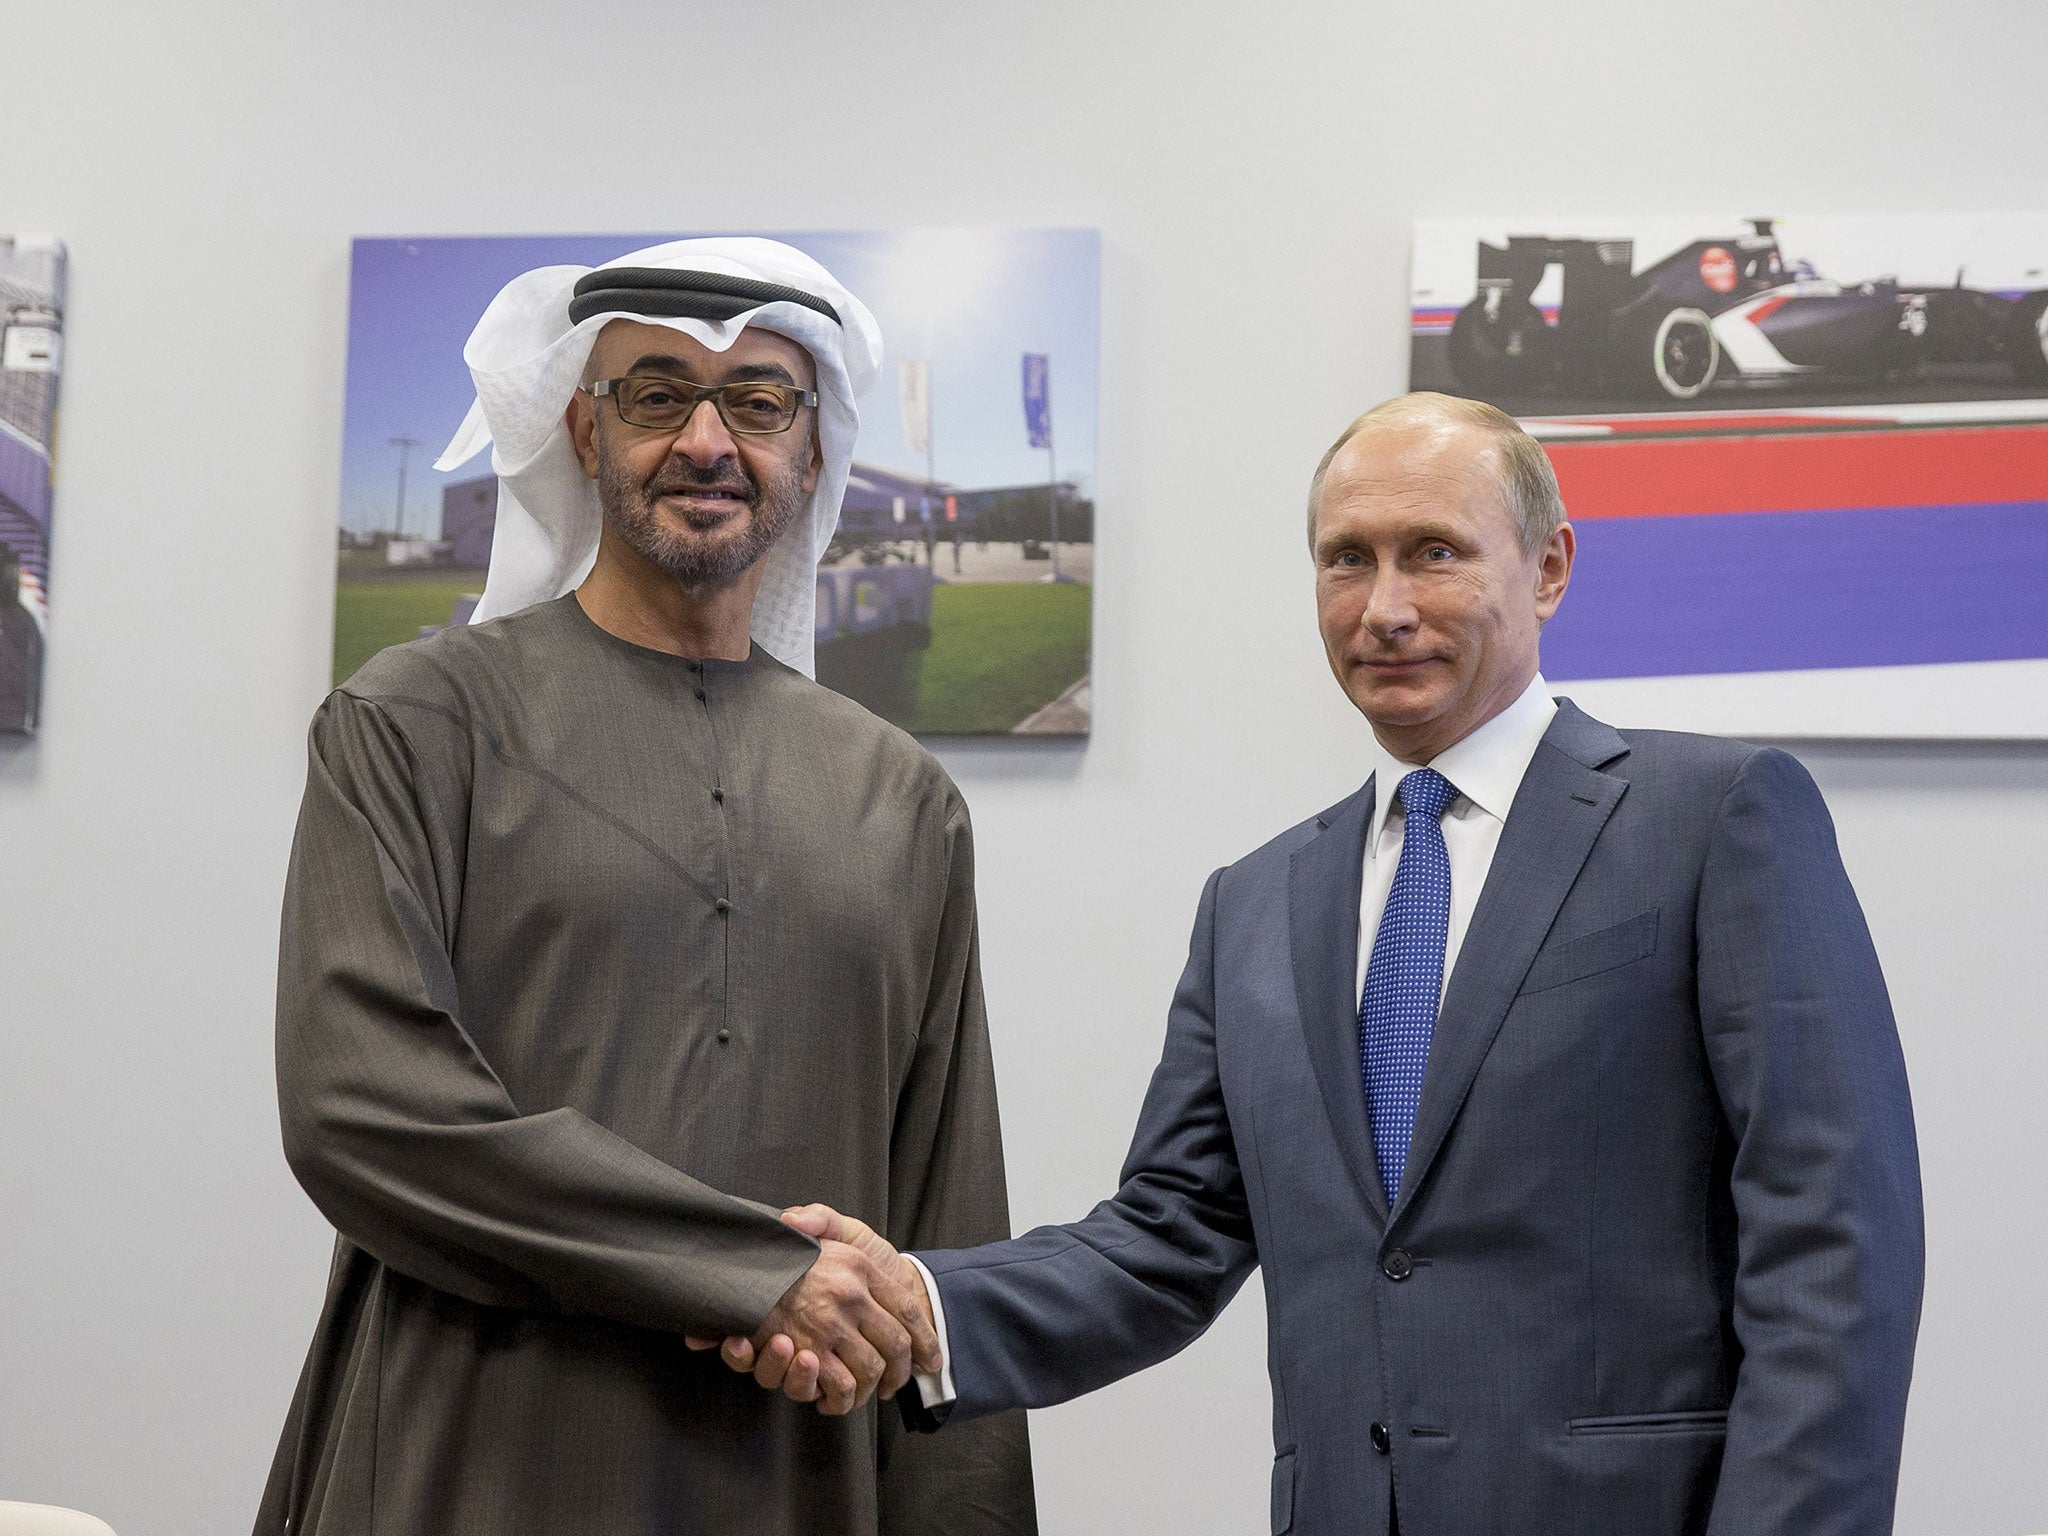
<point x="686" y="479"/>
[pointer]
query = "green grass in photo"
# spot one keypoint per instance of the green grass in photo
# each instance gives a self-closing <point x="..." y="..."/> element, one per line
<point x="999" y="651"/>
<point x="371" y="615"/>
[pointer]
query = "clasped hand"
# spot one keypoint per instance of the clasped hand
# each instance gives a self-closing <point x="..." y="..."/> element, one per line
<point x="856" y="1324"/>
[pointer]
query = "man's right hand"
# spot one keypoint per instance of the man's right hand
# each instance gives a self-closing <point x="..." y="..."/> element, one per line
<point x="778" y="1358"/>
<point x="848" y="1328"/>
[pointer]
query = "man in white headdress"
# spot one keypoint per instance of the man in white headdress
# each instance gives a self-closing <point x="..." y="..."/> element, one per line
<point x="609" y="935"/>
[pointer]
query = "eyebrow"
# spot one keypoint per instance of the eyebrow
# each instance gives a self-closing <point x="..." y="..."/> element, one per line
<point x="1437" y="533"/>
<point x="662" y="362"/>
<point x="1422" y="533"/>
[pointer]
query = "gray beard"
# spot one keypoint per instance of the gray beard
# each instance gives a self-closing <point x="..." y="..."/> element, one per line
<point x="696" y="562"/>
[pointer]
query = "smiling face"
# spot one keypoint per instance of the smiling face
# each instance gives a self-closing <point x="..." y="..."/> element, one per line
<point x="1428" y="603"/>
<point x="702" y="504"/>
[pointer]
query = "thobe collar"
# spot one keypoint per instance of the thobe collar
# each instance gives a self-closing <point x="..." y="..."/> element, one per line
<point x="757" y="655"/>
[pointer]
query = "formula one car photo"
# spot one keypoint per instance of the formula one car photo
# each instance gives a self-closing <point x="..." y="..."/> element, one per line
<point x="1720" y="314"/>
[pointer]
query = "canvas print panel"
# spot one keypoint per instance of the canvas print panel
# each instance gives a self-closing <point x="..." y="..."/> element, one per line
<point x="957" y="597"/>
<point x="31" y="361"/>
<point x="1769" y="432"/>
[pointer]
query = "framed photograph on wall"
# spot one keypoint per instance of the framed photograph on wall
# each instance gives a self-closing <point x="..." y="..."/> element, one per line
<point x="31" y="362"/>
<point x="957" y="597"/>
<point x="1806" y="457"/>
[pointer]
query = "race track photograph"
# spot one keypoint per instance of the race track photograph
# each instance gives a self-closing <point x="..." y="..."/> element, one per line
<point x="1789" y="447"/>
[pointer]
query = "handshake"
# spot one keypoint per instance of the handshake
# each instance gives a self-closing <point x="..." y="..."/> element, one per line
<point x="858" y="1322"/>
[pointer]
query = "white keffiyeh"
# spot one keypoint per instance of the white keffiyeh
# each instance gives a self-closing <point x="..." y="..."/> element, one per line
<point x="527" y="359"/>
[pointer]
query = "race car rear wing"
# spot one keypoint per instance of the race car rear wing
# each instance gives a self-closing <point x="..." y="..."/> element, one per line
<point x="1521" y="262"/>
<point x="1598" y="279"/>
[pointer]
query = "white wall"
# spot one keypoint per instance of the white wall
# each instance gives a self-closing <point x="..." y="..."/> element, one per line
<point x="1253" y="170"/>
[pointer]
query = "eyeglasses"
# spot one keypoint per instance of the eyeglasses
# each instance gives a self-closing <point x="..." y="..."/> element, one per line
<point x="750" y="407"/>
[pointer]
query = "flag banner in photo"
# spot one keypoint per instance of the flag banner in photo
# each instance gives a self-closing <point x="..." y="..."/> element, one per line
<point x="916" y="375"/>
<point x="1038" y="398"/>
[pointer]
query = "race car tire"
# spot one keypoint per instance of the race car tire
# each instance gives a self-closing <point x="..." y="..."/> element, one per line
<point x="2026" y="341"/>
<point x="1673" y="355"/>
<point x="1510" y="349"/>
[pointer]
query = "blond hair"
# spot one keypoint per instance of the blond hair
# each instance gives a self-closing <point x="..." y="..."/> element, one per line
<point x="1528" y="485"/>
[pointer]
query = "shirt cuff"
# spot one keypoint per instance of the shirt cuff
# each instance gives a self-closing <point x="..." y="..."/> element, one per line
<point x="935" y="1390"/>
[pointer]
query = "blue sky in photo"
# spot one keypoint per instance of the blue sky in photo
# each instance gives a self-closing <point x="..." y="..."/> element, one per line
<point x="972" y="300"/>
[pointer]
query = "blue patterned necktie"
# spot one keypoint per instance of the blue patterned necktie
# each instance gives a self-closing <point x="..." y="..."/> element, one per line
<point x="1405" y="976"/>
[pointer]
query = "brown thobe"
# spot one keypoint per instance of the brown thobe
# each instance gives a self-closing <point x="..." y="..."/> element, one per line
<point x="594" y="959"/>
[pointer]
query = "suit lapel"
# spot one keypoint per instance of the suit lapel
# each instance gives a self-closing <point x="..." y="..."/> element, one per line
<point x="1322" y="922"/>
<point x="1557" y="815"/>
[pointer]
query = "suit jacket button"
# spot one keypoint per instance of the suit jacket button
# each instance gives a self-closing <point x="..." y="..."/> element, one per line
<point x="1381" y="1440"/>
<point x="1397" y="1265"/>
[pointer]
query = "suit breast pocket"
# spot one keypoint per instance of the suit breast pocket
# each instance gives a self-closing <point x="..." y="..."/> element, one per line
<point x="1605" y="949"/>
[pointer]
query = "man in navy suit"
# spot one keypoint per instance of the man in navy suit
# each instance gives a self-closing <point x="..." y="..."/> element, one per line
<point x="1549" y="1080"/>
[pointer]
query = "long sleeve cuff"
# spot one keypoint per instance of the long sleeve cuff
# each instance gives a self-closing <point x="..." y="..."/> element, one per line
<point x="936" y="1390"/>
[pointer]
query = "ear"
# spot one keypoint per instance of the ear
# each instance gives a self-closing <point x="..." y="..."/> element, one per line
<point x="1554" y="569"/>
<point x="581" y="420"/>
<point x="816" y="465"/>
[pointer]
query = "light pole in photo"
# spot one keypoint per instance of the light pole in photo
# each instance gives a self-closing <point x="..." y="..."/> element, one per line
<point x="916" y="401"/>
<point x="405" y="446"/>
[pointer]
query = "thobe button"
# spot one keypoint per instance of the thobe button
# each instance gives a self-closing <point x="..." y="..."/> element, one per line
<point x="725" y="1037"/>
<point x="700" y="693"/>
<point x="718" y="795"/>
<point x="1381" y="1440"/>
<point x="1397" y="1265"/>
<point x="722" y="904"/>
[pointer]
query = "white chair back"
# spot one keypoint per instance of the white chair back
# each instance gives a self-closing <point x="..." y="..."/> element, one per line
<point x="48" y="1520"/>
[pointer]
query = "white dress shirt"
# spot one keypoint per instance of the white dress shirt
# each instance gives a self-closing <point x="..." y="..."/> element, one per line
<point x="1487" y="769"/>
<point x="934" y="1390"/>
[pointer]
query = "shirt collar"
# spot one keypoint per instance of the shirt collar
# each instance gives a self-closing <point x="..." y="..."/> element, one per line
<point x="1487" y="766"/>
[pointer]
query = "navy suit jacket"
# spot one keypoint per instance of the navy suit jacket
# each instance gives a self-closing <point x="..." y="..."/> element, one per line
<point x="1656" y="1264"/>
